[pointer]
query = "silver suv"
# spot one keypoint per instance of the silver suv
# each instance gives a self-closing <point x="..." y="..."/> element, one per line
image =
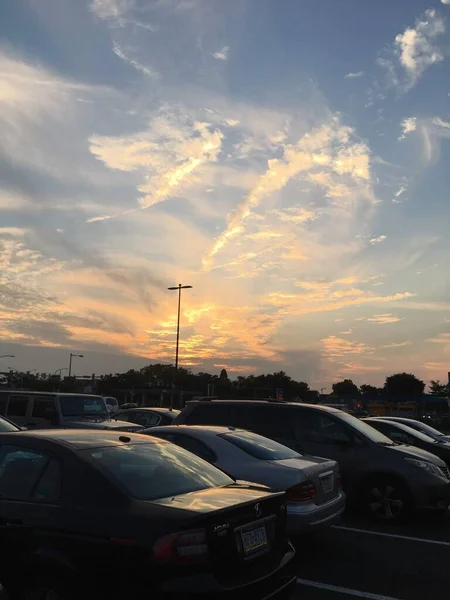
<point x="44" y="410"/>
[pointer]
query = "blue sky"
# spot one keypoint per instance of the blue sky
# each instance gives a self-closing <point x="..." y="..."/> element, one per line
<point x="288" y="159"/>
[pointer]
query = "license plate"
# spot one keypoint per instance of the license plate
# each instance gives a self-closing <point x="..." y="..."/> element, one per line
<point x="327" y="483"/>
<point x="254" y="539"/>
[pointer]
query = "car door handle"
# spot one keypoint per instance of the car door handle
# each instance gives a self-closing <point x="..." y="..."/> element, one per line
<point x="11" y="522"/>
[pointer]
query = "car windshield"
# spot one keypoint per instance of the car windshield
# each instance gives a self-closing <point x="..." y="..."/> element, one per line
<point x="82" y="406"/>
<point x="6" y="426"/>
<point x="157" y="470"/>
<point x="365" y="429"/>
<point x="427" y="429"/>
<point x="259" y="446"/>
<point x="418" y="435"/>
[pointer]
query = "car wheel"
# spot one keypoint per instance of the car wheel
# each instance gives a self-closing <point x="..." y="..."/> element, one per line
<point x="50" y="589"/>
<point x="386" y="500"/>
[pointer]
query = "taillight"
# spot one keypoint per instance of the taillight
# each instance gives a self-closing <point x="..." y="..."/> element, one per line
<point x="185" y="547"/>
<point x="302" y="492"/>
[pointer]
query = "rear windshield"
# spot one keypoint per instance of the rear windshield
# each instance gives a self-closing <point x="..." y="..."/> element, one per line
<point x="157" y="470"/>
<point x="82" y="406"/>
<point x="259" y="446"/>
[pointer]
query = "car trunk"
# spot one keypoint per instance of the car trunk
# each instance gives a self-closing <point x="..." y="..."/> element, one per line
<point x="246" y="534"/>
<point x="322" y="472"/>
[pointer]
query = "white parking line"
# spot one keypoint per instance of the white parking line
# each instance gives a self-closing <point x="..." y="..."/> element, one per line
<point x="342" y="590"/>
<point x="393" y="535"/>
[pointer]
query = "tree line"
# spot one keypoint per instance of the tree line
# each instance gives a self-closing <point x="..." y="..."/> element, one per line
<point x="160" y="376"/>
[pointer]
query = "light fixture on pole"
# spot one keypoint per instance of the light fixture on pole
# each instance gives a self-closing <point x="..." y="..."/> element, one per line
<point x="179" y="287"/>
<point x="7" y="356"/>
<point x="70" y="361"/>
<point x="59" y="371"/>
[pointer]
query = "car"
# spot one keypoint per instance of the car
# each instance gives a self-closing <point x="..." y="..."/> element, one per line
<point x="111" y="404"/>
<point x="419" y="426"/>
<point x="113" y="515"/>
<point x="386" y="480"/>
<point x="7" y="425"/>
<point x="398" y="432"/>
<point x="148" y="417"/>
<point x="36" y="410"/>
<point x="315" y="499"/>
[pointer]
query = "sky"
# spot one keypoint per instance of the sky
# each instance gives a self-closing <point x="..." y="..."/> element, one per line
<point x="289" y="159"/>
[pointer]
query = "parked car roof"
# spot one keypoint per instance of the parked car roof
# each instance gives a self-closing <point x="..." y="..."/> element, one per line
<point x="80" y="439"/>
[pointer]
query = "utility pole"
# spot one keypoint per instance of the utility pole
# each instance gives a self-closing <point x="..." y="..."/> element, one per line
<point x="70" y="361"/>
<point x="179" y="287"/>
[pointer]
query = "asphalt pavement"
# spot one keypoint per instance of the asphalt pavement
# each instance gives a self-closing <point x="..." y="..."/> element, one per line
<point x="358" y="559"/>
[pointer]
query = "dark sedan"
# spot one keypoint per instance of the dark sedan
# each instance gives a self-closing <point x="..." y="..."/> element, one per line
<point x="148" y="417"/>
<point x="398" y="432"/>
<point x="105" y="514"/>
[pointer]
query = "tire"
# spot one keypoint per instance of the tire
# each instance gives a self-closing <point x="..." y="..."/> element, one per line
<point x="386" y="499"/>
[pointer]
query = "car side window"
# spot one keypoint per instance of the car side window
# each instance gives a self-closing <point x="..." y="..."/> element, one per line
<point x="48" y="488"/>
<point x="17" y="406"/>
<point x="196" y="447"/>
<point x="320" y="428"/>
<point x="41" y="406"/>
<point x="2" y="405"/>
<point x="123" y="416"/>
<point x="191" y="444"/>
<point x="212" y="414"/>
<point x="146" y="418"/>
<point x="20" y="470"/>
<point x="267" y="420"/>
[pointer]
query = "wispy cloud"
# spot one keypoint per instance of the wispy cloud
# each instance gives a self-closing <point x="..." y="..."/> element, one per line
<point x="222" y="54"/>
<point x="383" y="319"/>
<point x="397" y="344"/>
<point x="354" y="75"/>
<point x="415" y="50"/>
<point x="377" y="240"/>
<point x="408" y="126"/>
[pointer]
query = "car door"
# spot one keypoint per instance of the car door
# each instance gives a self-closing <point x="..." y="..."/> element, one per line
<point x="42" y="412"/>
<point x="17" y="409"/>
<point x="30" y="488"/>
<point x="322" y="434"/>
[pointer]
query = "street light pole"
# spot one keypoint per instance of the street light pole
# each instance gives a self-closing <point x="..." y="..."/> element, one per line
<point x="179" y="287"/>
<point x="70" y="361"/>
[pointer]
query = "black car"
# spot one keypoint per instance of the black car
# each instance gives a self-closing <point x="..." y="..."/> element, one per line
<point x="107" y="515"/>
<point x="148" y="417"/>
<point x="398" y="432"/>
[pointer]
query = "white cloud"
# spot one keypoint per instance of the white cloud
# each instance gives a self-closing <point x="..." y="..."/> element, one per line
<point x="354" y="75"/>
<point x="165" y="156"/>
<point x="408" y="126"/>
<point x="445" y="1"/>
<point x="111" y="9"/>
<point x="417" y="47"/>
<point x="222" y="54"/>
<point x="377" y="240"/>
<point x="397" y="344"/>
<point x="383" y="319"/>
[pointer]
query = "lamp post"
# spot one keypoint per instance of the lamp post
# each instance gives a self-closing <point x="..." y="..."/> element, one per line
<point x="70" y="362"/>
<point x="179" y="287"/>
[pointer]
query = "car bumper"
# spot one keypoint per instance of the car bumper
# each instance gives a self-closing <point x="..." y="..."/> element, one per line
<point x="278" y="584"/>
<point x="433" y="496"/>
<point x="308" y="518"/>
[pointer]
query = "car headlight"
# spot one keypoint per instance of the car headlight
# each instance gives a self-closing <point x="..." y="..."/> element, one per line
<point x="423" y="464"/>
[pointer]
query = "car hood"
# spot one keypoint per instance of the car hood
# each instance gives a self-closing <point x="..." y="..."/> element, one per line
<point x="204" y="501"/>
<point x="101" y="423"/>
<point x="414" y="452"/>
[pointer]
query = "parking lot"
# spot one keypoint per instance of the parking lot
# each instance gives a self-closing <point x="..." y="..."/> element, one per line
<point x="360" y="560"/>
